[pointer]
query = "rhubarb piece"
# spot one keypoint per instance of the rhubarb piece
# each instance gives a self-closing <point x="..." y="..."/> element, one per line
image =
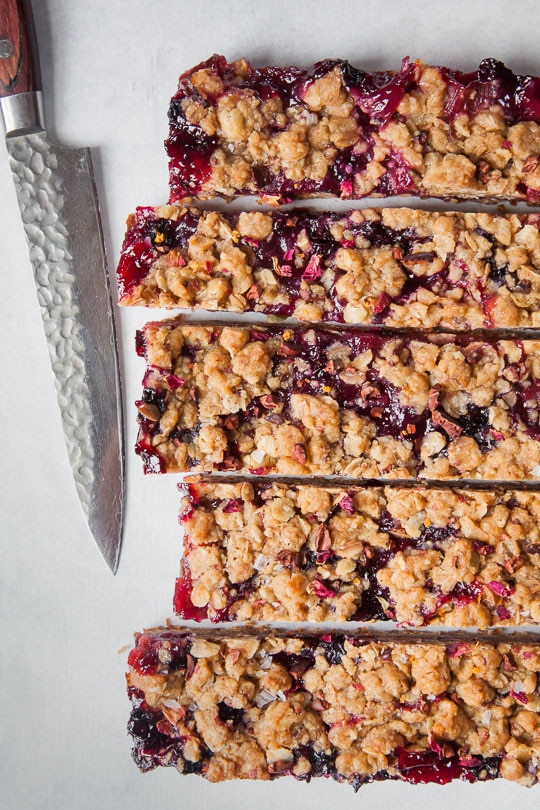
<point x="334" y="130"/>
<point x="355" y="403"/>
<point x="395" y="267"/>
<point x="268" y="551"/>
<point x="348" y="707"/>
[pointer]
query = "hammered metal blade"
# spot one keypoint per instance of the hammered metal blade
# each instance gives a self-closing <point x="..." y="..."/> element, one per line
<point x="56" y="194"/>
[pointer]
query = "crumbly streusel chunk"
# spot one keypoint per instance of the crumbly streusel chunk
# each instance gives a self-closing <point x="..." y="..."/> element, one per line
<point x="299" y="402"/>
<point x="395" y="267"/>
<point x="267" y="551"/>
<point x="336" y="130"/>
<point x="250" y="706"/>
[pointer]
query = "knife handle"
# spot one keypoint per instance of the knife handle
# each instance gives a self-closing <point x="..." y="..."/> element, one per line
<point x="19" y="63"/>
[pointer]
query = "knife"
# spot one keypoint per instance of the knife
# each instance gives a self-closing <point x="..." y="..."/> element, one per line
<point x="59" y="208"/>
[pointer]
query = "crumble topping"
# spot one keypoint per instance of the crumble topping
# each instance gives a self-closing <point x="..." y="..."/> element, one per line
<point x="266" y="551"/>
<point x="261" y="705"/>
<point x="394" y="267"/>
<point x="339" y="131"/>
<point x="298" y="402"/>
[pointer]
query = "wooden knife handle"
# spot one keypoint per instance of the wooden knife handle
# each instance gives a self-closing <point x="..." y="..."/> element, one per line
<point x="19" y="64"/>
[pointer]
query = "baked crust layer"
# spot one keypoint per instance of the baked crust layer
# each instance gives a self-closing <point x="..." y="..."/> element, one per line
<point x="305" y="401"/>
<point x="335" y="130"/>
<point x="350" y="707"/>
<point x="395" y="267"/>
<point x="268" y="551"/>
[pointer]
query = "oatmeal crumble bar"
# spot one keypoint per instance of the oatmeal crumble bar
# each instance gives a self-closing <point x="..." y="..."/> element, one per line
<point x="397" y="267"/>
<point x="335" y="130"/>
<point x="349" y="707"/>
<point x="268" y="551"/>
<point x="355" y="403"/>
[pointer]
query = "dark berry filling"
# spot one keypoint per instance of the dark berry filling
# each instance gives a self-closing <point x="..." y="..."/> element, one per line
<point x="322" y="763"/>
<point x="190" y="150"/>
<point x="155" y="742"/>
<point x="145" y="240"/>
<point x="334" y="648"/>
<point x="146" y="659"/>
<point x="183" y="606"/>
<point x="140" y="343"/>
<point x="296" y="663"/>
<point x="421" y="767"/>
<point x="379" y="94"/>
<point x="152" y="748"/>
<point x="230" y="716"/>
<point x="145" y="656"/>
<point x="236" y="593"/>
<point x="527" y="408"/>
<point x="137" y="254"/>
<point x="493" y="84"/>
<point x="153" y="461"/>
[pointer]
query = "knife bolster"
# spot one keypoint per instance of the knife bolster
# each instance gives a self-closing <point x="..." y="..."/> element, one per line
<point x="23" y="113"/>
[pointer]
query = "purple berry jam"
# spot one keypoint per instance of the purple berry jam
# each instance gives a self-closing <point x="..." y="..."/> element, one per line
<point x="421" y="767"/>
<point x="183" y="606"/>
<point x="141" y="249"/>
<point x="151" y="747"/>
<point x="145" y="657"/>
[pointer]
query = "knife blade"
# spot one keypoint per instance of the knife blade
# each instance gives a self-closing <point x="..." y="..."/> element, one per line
<point x="59" y="208"/>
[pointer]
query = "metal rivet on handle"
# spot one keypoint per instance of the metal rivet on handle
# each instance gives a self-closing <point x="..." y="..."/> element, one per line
<point x="6" y="48"/>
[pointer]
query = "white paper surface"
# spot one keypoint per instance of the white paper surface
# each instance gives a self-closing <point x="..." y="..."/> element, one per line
<point x="109" y="68"/>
